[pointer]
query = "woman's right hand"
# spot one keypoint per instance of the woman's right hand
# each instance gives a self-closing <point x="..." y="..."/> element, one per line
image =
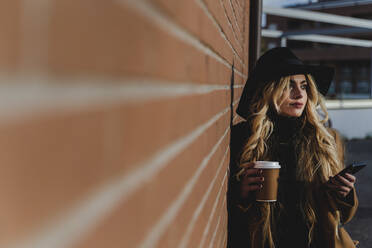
<point x="251" y="179"/>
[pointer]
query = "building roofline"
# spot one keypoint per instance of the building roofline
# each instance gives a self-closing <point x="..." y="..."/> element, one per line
<point x="329" y="5"/>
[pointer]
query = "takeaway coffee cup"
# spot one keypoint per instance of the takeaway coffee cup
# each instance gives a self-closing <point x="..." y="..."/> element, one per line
<point x="268" y="192"/>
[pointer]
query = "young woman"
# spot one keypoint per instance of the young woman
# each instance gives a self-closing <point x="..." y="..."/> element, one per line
<point x="280" y="103"/>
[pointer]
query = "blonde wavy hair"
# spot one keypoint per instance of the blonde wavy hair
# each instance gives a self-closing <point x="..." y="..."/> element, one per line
<point x="318" y="158"/>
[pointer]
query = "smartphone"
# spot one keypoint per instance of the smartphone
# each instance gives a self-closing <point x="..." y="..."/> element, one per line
<point x="353" y="168"/>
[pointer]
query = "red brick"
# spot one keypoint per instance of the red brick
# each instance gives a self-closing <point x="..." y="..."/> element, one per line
<point x="217" y="9"/>
<point x="223" y="230"/>
<point x="238" y="91"/>
<point x="105" y="48"/>
<point x="213" y="229"/>
<point x="189" y="15"/>
<point x="51" y="162"/>
<point x="238" y="14"/>
<point x="10" y="33"/>
<point x="45" y="165"/>
<point x="186" y="113"/>
<point x="230" y="14"/>
<point x="173" y="235"/>
<point x="62" y="157"/>
<point x="201" y="224"/>
<point x="132" y="220"/>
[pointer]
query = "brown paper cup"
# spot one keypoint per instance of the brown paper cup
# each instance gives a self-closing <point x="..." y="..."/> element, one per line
<point x="269" y="191"/>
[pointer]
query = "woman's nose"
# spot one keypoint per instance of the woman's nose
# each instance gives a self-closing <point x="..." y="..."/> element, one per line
<point x="297" y="93"/>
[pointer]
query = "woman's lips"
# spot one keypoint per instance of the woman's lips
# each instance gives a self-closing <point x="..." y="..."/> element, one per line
<point x="297" y="105"/>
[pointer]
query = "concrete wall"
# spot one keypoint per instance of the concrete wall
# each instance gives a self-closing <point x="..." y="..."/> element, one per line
<point x="115" y="120"/>
<point x="352" y="123"/>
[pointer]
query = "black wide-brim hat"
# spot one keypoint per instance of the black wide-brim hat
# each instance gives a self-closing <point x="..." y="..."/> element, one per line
<point x="276" y="63"/>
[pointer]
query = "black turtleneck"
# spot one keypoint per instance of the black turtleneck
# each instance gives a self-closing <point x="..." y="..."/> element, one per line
<point x="286" y="126"/>
<point x="283" y="145"/>
<point x="283" y="142"/>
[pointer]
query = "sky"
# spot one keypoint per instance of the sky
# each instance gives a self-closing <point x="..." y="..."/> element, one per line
<point x="279" y="3"/>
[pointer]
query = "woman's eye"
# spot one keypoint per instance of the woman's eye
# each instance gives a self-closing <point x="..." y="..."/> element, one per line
<point x="304" y="86"/>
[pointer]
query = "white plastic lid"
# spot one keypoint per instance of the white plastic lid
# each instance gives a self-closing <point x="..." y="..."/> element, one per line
<point x="267" y="165"/>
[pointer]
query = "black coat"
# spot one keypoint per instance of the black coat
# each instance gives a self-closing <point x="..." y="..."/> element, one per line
<point x="292" y="229"/>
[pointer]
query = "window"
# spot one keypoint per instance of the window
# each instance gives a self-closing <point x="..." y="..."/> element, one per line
<point x="362" y="79"/>
<point x="273" y="26"/>
<point x="271" y="45"/>
<point x="353" y="81"/>
<point x="362" y="87"/>
<point x="346" y="86"/>
<point x="332" y="89"/>
<point x="293" y="24"/>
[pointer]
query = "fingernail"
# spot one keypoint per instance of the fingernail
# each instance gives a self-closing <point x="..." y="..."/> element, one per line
<point x="262" y="179"/>
<point x="261" y="186"/>
<point x="261" y="171"/>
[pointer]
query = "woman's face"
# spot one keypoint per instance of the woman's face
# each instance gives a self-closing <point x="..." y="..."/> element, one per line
<point x="294" y="98"/>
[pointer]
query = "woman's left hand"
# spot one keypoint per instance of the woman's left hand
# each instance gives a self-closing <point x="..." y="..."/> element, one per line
<point x="342" y="185"/>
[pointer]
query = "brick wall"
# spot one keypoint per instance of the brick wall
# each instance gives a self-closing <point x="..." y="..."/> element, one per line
<point x="116" y="119"/>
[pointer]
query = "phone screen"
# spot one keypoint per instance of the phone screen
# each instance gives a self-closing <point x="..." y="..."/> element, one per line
<point x="357" y="168"/>
<point x="353" y="168"/>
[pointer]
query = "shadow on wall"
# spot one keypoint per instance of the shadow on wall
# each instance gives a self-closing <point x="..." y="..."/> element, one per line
<point x="232" y="97"/>
<point x="231" y="170"/>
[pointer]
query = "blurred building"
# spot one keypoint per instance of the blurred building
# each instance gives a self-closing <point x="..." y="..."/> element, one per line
<point x="352" y="63"/>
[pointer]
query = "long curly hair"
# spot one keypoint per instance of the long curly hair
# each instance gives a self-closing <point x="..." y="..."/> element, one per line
<point x="318" y="158"/>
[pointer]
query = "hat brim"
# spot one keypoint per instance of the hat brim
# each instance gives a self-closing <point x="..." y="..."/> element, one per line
<point x="322" y="75"/>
